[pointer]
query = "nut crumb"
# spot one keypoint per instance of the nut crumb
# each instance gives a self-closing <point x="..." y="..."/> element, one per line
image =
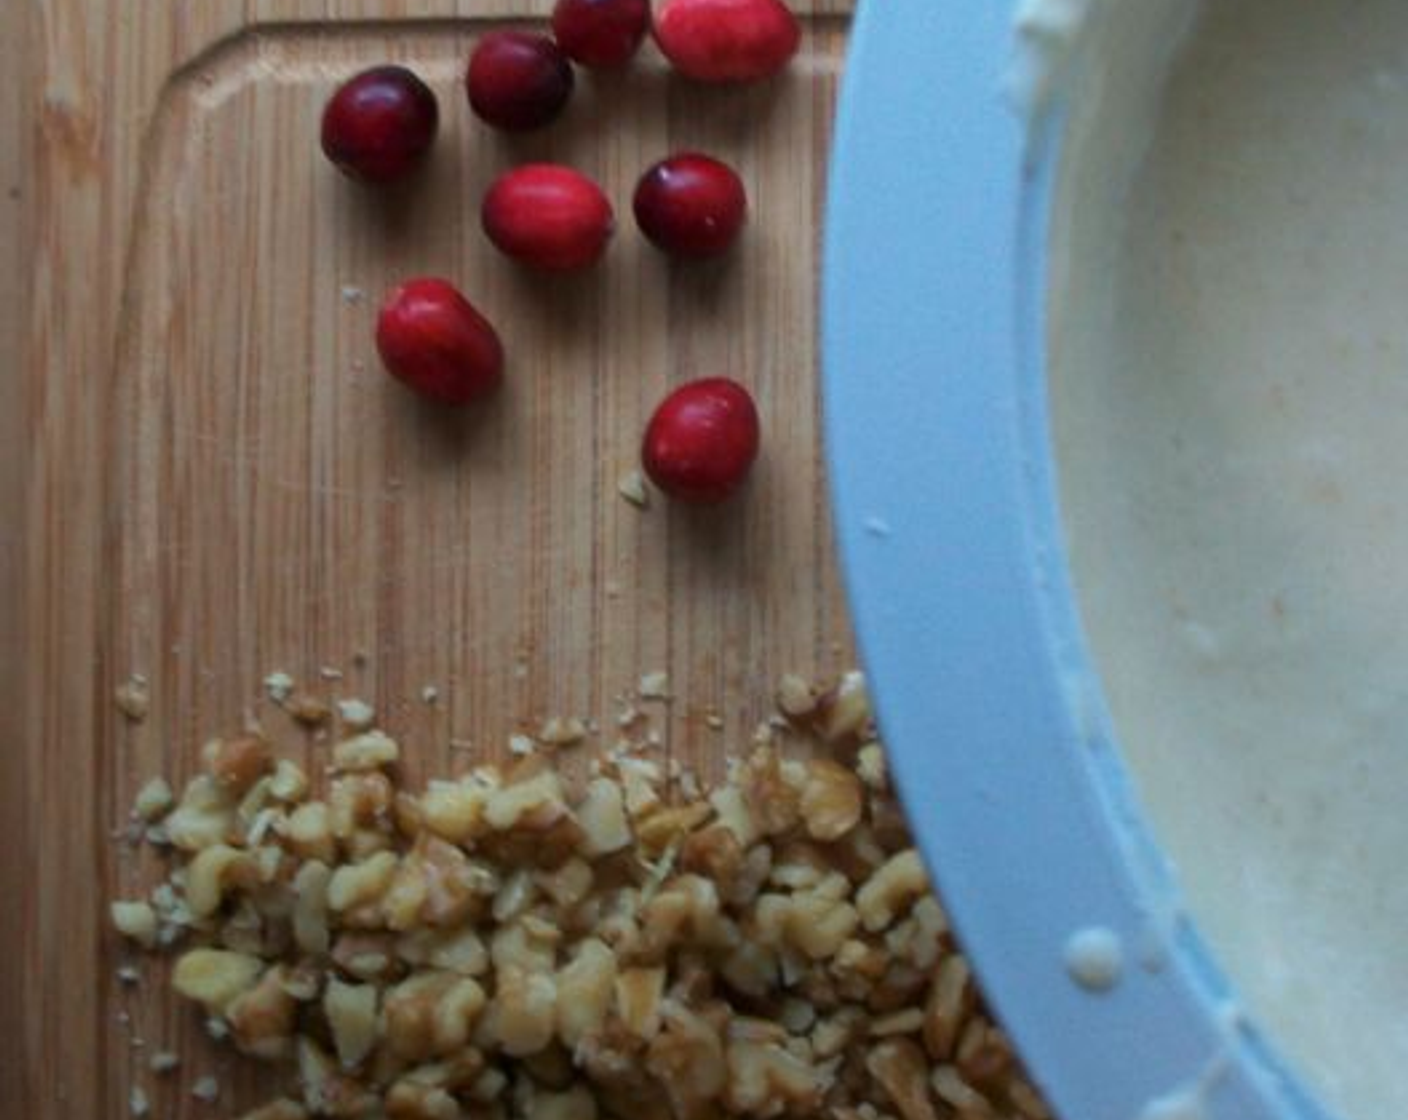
<point x="136" y="921"/>
<point x="331" y="673"/>
<point x="796" y="699"/>
<point x="430" y="695"/>
<point x="370" y="750"/>
<point x="153" y="801"/>
<point x="308" y="709"/>
<point x="206" y="1089"/>
<point x="559" y="732"/>
<point x="714" y="721"/>
<point x="137" y="1102"/>
<point x="163" y="1061"/>
<point x="278" y="687"/>
<point x="521" y="746"/>
<point x="129" y="975"/>
<point x="631" y="486"/>
<point x="132" y="698"/>
<point x="627" y="716"/>
<point x="357" y="715"/>
<point x="654" y="686"/>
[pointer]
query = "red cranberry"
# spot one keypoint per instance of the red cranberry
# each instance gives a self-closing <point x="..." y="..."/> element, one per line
<point x="518" y="81"/>
<point x="549" y="217"/>
<point x="702" y="441"/>
<point x="601" y="34"/>
<point x="727" y="40"/>
<point x="691" y="205"/>
<point x="434" y="340"/>
<point x="379" y="125"/>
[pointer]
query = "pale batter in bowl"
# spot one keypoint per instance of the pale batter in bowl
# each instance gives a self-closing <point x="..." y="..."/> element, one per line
<point x="1230" y="400"/>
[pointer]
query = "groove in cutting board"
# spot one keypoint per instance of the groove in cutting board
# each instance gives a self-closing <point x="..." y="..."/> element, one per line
<point x="241" y="489"/>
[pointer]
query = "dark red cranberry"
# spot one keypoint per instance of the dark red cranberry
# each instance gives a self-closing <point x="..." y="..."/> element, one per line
<point x="549" y="217"/>
<point x="702" y="441"/>
<point x="518" y="80"/>
<point x="691" y="205"/>
<point x="380" y="124"/>
<point x="601" y="34"/>
<point x="434" y="340"/>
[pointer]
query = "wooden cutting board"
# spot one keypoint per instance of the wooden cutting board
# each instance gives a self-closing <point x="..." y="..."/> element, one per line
<point x="205" y="477"/>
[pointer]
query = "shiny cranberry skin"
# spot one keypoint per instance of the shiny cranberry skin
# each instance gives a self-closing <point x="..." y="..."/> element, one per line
<point x="600" y="34"/>
<point x="727" y="40"/>
<point x="702" y="441"/>
<point x="380" y="124"/>
<point x="518" y="80"/>
<point x="691" y="205"/>
<point x="549" y="217"/>
<point x="434" y="340"/>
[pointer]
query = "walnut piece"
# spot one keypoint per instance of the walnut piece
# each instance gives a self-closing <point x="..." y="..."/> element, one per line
<point x="510" y="944"/>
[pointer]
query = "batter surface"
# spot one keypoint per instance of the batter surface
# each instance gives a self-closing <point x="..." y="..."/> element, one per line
<point x="1230" y="392"/>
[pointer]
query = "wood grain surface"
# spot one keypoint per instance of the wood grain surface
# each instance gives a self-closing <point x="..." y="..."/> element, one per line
<point x="205" y="477"/>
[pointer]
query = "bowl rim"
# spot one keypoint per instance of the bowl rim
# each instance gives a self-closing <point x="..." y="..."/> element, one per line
<point x="943" y="488"/>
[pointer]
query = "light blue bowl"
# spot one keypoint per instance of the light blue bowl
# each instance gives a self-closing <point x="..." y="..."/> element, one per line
<point x="945" y="499"/>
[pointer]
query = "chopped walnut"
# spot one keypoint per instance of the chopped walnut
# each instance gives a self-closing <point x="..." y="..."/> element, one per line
<point x="507" y="944"/>
<point x="602" y="815"/>
<point x="666" y="827"/>
<point x="132" y="698"/>
<point x="535" y="804"/>
<point x="639" y="992"/>
<point x="654" y="686"/>
<point x="431" y="1014"/>
<point x="371" y="750"/>
<point x="558" y="732"/>
<point x="796" y="699"/>
<point x="262" y="1019"/>
<point x="356" y="715"/>
<point x="843" y="712"/>
<point x="523" y="1015"/>
<point x="308" y="832"/>
<point x="892" y="888"/>
<point x="454" y="811"/>
<point x="949" y="1087"/>
<point x="310" y="909"/>
<point x="137" y="921"/>
<point x="902" y="1071"/>
<point x="240" y="762"/>
<point x="764" y="1074"/>
<point x="154" y="800"/>
<point x="215" y="977"/>
<point x="631" y="486"/>
<point x="289" y="783"/>
<point x="327" y="1091"/>
<point x="278" y="687"/>
<point x="213" y="871"/>
<point x="357" y="884"/>
<point x="948" y="1007"/>
<point x="871" y="769"/>
<point x="832" y="802"/>
<point x="204" y="816"/>
<point x="308" y="710"/>
<point x="351" y="1011"/>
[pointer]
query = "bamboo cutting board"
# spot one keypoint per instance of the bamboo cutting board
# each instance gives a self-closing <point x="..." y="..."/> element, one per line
<point x="205" y="477"/>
